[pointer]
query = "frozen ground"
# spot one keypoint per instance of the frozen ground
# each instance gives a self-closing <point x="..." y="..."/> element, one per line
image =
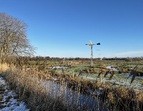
<point x="120" y="80"/>
<point x="9" y="100"/>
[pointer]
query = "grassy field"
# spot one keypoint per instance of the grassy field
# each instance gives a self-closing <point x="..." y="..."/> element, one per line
<point x="115" y="90"/>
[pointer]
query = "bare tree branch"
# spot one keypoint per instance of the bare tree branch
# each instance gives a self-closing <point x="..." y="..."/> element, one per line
<point x="13" y="38"/>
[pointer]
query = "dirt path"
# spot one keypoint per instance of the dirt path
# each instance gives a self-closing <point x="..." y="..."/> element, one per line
<point x="9" y="100"/>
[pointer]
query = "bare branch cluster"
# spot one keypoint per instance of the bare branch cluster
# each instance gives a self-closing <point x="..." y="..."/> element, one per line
<point x="13" y="39"/>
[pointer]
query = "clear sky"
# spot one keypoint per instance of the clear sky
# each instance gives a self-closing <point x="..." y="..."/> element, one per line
<point x="61" y="28"/>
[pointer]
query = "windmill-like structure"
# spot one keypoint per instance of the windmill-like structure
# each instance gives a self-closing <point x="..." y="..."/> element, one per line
<point x="91" y="45"/>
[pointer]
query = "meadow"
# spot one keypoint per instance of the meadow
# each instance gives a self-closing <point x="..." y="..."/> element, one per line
<point x="55" y="84"/>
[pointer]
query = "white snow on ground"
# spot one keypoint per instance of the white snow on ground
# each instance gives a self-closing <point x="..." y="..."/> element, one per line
<point x="120" y="80"/>
<point x="58" y="67"/>
<point x="113" y="68"/>
<point x="8" y="101"/>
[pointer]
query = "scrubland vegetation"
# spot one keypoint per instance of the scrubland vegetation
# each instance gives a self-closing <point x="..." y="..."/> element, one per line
<point x="27" y="79"/>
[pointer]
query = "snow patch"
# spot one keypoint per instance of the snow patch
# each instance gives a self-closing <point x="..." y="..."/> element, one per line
<point x="9" y="101"/>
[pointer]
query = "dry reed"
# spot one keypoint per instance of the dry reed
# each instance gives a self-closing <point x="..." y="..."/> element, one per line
<point x="28" y="86"/>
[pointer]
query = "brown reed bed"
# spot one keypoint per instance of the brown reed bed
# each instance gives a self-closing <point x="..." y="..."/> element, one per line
<point x="118" y="97"/>
<point x="28" y="86"/>
<point x="29" y="89"/>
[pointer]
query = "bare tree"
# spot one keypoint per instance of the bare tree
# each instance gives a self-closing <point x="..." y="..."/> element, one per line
<point x="13" y="38"/>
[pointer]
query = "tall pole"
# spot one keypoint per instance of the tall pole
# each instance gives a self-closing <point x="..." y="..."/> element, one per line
<point x="91" y="55"/>
<point x="91" y="45"/>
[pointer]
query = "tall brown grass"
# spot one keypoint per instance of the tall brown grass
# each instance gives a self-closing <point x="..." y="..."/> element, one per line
<point x="4" y="67"/>
<point x="29" y="88"/>
<point x="28" y="85"/>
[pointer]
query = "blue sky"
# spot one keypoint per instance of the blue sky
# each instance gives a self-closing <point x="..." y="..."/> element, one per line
<point x="61" y="28"/>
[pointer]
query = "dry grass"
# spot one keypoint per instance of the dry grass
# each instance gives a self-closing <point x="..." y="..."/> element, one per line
<point x="28" y="86"/>
<point x="4" y="67"/>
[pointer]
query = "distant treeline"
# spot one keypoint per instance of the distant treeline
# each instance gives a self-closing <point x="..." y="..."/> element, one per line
<point x="40" y="58"/>
<point x="78" y="58"/>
